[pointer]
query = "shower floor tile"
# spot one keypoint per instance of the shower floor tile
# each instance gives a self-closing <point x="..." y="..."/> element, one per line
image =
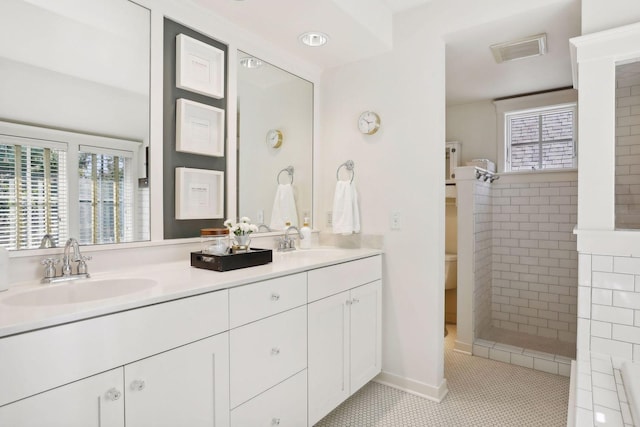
<point x="531" y="342"/>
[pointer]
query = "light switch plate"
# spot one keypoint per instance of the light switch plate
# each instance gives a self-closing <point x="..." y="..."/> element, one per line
<point x="395" y="220"/>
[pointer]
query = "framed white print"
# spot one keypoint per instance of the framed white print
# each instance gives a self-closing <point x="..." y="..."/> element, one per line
<point x="199" y="194"/>
<point x="199" y="67"/>
<point x="199" y="128"/>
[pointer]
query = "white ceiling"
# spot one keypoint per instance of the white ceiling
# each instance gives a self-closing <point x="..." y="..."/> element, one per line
<point x="401" y="5"/>
<point x="473" y="75"/>
<point x="359" y="29"/>
<point x="356" y="29"/>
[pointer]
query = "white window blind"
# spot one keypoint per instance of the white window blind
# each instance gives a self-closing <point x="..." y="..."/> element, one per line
<point x="105" y="196"/>
<point x="33" y="192"/>
<point x="541" y="139"/>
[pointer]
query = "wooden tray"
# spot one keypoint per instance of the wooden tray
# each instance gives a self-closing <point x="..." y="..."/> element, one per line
<point x="227" y="262"/>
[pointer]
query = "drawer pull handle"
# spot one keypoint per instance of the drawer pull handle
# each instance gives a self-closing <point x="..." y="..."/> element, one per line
<point x="275" y="422"/>
<point x="355" y="301"/>
<point x="275" y="351"/>
<point x="275" y="297"/>
<point x="113" y="394"/>
<point x="138" y="385"/>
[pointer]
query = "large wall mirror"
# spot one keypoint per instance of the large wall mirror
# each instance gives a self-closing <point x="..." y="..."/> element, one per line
<point x="627" y="190"/>
<point x="275" y="144"/>
<point x="74" y="122"/>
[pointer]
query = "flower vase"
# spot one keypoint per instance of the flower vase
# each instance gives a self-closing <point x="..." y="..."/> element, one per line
<point x="241" y="243"/>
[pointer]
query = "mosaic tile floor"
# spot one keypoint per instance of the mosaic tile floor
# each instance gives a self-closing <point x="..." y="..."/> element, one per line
<point x="482" y="392"/>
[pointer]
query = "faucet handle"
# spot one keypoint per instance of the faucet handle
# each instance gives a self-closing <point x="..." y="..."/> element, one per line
<point x="82" y="265"/>
<point x="50" y="267"/>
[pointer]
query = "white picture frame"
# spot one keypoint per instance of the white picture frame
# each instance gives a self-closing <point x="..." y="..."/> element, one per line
<point x="199" y="194"/>
<point x="199" y="128"/>
<point x="199" y="67"/>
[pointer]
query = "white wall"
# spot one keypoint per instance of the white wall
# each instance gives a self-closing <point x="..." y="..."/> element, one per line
<point x="400" y="168"/>
<point x="598" y="15"/>
<point x="474" y="125"/>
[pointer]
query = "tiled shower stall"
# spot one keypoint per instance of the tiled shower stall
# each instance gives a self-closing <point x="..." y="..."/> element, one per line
<point x="525" y="267"/>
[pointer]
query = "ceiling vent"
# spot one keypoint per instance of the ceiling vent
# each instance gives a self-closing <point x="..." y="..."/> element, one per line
<point x="521" y="48"/>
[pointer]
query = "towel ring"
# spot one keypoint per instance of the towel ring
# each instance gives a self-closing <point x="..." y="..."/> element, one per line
<point x="349" y="165"/>
<point x="289" y="170"/>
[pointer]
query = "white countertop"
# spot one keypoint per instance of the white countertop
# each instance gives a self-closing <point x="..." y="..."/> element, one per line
<point x="175" y="280"/>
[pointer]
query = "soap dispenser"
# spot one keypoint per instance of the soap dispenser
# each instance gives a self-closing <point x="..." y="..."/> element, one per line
<point x="305" y="232"/>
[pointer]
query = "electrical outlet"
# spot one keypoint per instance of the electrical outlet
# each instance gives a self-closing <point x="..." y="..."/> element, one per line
<point x="395" y="220"/>
<point x="329" y="218"/>
<point x="260" y="216"/>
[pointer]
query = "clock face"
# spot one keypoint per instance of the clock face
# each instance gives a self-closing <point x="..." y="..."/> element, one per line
<point x="369" y="122"/>
<point x="274" y="138"/>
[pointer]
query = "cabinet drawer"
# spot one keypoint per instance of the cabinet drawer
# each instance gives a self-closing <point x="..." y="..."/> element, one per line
<point x="284" y="405"/>
<point x="259" y="300"/>
<point x="37" y="361"/>
<point x="264" y="353"/>
<point x="338" y="278"/>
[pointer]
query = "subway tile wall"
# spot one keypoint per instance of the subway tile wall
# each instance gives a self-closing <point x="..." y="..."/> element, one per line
<point x="610" y="305"/>
<point x="535" y="263"/>
<point x="628" y="146"/>
<point x="483" y="229"/>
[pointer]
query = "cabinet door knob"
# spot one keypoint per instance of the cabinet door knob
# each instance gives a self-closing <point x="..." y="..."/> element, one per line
<point x="275" y="296"/>
<point x="112" y="394"/>
<point x="275" y="351"/>
<point x="275" y="421"/>
<point x="138" y="385"/>
<point x="348" y="302"/>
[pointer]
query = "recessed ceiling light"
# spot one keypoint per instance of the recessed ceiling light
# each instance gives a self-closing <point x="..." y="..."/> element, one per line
<point x="251" y="62"/>
<point x="313" y="38"/>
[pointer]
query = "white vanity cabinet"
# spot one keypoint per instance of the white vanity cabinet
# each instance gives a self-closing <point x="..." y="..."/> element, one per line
<point x="163" y="363"/>
<point x="344" y="332"/>
<point x="96" y="401"/>
<point x="186" y="386"/>
<point x="278" y="352"/>
<point x="268" y="353"/>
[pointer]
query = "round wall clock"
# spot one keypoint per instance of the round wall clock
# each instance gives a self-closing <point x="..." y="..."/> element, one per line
<point x="274" y="138"/>
<point x="369" y="122"/>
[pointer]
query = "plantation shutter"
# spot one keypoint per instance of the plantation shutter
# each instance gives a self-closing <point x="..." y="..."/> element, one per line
<point x="105" y="182"/>
<point x="33" y="192"/>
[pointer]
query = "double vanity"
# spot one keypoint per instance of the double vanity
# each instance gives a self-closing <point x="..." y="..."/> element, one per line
<point x="168" y="345"/>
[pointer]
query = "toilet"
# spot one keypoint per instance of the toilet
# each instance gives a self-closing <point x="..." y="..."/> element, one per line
<point x="450" y="276"/>
<point x="450" y="271"/>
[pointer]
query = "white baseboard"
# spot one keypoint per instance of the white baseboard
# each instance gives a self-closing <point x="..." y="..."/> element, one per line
<point x="414" y="387"/>
<point x="462" y="347"/>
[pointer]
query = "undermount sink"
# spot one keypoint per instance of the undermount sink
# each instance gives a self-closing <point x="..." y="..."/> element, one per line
<point x="80" y="291"/>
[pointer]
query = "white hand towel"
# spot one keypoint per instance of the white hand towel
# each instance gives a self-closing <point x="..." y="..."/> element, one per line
<point x="346" y="214"/>
<point x="284" y="208"/>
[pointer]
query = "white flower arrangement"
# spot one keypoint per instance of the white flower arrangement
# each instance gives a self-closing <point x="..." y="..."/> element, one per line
<point x="242" y="228"/>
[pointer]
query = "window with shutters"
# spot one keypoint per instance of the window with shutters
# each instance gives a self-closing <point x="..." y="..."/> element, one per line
<point x="65" y="184"/>
<point x="541" y="139"/>
<point x="105" y="183"/>
<point x="33" y="192"/>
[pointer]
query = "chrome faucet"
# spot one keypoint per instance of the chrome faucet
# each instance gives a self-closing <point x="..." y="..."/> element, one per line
<point x="264" y="226"/>
<point x="47" y="242"/>
<point x="287" y="243"/>
<point x="67" y="258"/>
<point x="66" y="261"/>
